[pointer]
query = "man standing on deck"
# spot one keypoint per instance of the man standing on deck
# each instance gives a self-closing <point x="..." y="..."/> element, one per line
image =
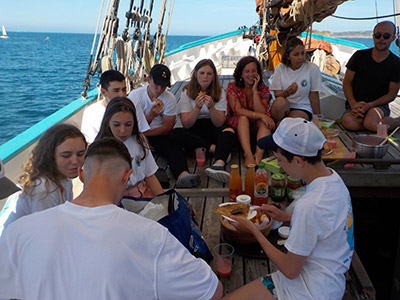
<point x="112" y="85"/>
<point x="90" y="248"/>
<point x="159" y="107"/>
<point x="321" y="242"/>
<point x="371" y="82"/>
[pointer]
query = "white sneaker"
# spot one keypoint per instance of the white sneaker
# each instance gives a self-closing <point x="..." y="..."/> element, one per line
<point x="218" y="173"/>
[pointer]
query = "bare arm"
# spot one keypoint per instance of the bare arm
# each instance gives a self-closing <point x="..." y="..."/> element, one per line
<point x="218" y="292"/>
<point x="168" y="124"/>
<point x="154" y="184"/>
<point x="292" y="89"/>
<point x="217" y="116"/>
<point x="252" y="115"/>
<point x="289" y="264"/>
<point x="189" y="118"/>
<point x="258" y="106"/>
<point x="347" y="88"/>
<point x="314" y="100"/>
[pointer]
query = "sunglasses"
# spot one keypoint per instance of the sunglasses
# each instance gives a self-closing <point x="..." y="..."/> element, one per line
<point x="385" y="35"/>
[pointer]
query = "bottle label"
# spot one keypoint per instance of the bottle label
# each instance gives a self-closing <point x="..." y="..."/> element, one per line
<point x="277" y="192"/>
<point x="261" y="190"/>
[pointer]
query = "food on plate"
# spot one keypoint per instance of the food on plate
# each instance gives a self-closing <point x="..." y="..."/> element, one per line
<point x="238" y="209"/>
<point x="327" y="149"/>
<point x="259" y="218"/>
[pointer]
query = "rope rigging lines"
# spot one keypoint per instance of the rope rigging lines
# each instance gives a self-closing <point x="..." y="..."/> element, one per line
<point x="134" y="53"/>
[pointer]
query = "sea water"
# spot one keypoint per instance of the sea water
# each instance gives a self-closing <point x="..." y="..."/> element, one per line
<point x="38" y="76"/>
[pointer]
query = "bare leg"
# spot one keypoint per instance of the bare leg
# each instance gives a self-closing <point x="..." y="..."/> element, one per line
<point x="392" y="122"/>
<point x="262" y="131"/>
<point x="280" y="108"/>
<point x="243" y="131"/>
<point x="254" y="290"/>
<point x="372" y="119"/>
<point x="350" y="122"/>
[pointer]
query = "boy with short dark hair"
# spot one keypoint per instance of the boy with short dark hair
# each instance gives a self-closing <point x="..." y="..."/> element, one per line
<point x="90" y="248"/>
<point x="321" y="243"/>
<point x="112" y="85"/>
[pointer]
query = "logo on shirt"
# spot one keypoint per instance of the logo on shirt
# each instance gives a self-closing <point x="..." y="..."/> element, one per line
<point x="350" y="229"/>
<point x="304" y="83"/>
<point x="138" y="160"/>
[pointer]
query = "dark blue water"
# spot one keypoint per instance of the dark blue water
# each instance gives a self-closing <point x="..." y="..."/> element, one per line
<point x="38" y="76"/>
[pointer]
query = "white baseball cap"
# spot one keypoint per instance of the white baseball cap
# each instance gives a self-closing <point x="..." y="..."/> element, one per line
<point x="7" y="187"/>
<point x="297" y="136"/>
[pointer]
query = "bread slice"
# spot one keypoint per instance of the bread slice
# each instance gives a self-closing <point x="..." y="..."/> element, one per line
<point x="237" y="209"/>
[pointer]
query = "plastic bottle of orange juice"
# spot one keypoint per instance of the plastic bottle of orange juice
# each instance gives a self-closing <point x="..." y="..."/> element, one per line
<point x="249" y="181"/>
<point x="235" y="183"/>
<point x="261" y="186"/>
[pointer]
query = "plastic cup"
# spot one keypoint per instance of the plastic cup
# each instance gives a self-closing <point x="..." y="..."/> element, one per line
<point x="223" y="254"/>
<point x="200" y="156"/>
<point x="331" y="143"/>
<point x="351" y="154"/>
<point x="382" y="130"/>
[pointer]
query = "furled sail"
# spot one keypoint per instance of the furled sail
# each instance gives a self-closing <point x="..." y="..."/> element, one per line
<point x="300" y="14"/>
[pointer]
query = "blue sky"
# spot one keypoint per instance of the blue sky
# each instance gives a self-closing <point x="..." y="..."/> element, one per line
<point x="190" y="17"/>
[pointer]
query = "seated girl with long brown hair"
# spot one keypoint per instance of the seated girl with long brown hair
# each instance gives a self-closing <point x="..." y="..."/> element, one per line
<point x="120" y="122"/>
<point x="46" y="181"/>
<point x="203" y="108"/>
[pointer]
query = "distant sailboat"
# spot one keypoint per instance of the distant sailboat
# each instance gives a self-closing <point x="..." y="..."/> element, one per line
<point x="4" y="33"/>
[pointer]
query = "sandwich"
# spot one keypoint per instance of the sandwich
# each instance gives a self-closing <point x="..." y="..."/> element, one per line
<point x="236" y="209"/>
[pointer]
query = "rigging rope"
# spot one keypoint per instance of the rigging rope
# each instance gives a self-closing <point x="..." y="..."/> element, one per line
<point x="366" y="18"/>
<point x="86" y="82"/>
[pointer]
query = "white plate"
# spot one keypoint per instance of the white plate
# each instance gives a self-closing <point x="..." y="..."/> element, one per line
<point x="226" y="203"/>
<point x="229" y="219"/>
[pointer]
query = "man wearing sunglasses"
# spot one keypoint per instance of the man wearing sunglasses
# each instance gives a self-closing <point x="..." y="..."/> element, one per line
<point x="371" y="82"/>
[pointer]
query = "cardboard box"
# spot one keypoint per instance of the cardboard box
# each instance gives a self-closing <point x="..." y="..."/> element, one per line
<point x="271" y="165"/>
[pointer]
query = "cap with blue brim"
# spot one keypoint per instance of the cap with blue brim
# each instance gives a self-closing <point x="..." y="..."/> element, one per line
<point x="297" y="136"/>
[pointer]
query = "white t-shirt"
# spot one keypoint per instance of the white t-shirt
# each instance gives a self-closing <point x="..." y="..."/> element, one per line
<point x="93" y="115"/>
<point x="186" y="104"/>
<point x="308" y="79"/>
<point x="76" y="252"/>
<point x="21" y="204"/>
<point x="140" y="98"/>
<point x="140" y="168"/>
<point x="322" y="229"/>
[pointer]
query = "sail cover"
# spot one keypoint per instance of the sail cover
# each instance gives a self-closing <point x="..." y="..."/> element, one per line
<point x="300" y="14"/>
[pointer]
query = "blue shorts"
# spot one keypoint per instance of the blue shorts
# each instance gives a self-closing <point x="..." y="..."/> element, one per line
<point x="269" y="284"/>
